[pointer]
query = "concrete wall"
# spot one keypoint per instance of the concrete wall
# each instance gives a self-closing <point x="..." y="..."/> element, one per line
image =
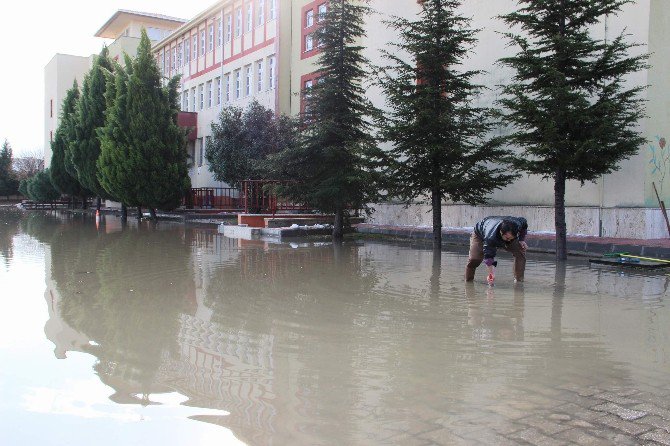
<point x="656" y="156"/>
<point x="647" y="223"/>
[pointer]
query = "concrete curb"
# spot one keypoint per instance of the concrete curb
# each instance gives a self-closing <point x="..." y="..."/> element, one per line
<point x="582" y="246"/>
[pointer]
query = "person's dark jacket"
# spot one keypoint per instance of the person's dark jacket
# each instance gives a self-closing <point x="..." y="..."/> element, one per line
<point x="488" y="230"/>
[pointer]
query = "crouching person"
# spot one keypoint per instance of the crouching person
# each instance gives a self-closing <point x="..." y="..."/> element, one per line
<point x="497" y="232"/>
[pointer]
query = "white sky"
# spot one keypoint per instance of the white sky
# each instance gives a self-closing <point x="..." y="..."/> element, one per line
<point x="31" y="32"/>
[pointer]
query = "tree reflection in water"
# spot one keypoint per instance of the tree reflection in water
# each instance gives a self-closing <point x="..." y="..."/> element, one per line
<point x="306" y="342"/>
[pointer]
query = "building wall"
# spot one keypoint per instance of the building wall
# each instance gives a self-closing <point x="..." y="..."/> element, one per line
<point x="656" y="155"/>
<point x="59" y="74"/>
<point x="630" y="186"/>
<point x="254" y="48"/>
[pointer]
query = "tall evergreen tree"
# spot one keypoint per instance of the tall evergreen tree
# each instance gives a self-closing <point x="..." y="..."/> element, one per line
<point x="574" y="116"/>
<point x="115" y="147"/>
<point x="85" y="147"/>
<point x="152" y="147"/>
<point x="62" y="180"/>
<point x="440" y="148"/>
<point x="334" y="162"/>
<point x="9" y="183"/>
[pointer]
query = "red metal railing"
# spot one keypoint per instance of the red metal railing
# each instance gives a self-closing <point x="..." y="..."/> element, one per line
<point x="224" y="198"/>
<point x="258" y="197"/>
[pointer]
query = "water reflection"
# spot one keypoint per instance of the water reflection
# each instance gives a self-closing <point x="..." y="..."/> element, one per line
<point x="358" y="343"/>
<point x="9" y="227"/>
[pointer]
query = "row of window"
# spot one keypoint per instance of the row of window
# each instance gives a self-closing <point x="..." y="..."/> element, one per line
<point x="321" y="13"/>
<point x="199" y="44"/>
<point x="234" y="85"/>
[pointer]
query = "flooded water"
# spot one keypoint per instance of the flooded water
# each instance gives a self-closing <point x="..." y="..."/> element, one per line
<point x="174" y="335"/>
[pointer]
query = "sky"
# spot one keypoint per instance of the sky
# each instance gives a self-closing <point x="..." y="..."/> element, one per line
<point x="32" y="32"/>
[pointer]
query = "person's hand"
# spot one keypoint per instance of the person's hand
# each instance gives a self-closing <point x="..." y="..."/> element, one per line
<point x="524" y="246"/>
<point x="490" y="279"/>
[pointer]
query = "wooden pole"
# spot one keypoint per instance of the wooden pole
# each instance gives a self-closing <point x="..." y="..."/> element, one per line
<point x="662" y="204"/>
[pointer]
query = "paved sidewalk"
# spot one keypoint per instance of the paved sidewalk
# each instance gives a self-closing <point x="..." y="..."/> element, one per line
<point x="577" y="245"/>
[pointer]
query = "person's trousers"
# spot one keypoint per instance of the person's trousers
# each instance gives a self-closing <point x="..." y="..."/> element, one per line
<point x="476" y="257"/>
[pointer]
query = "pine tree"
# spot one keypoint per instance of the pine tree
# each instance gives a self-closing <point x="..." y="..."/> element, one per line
<point x="84" y="149"/>
<point x="439" y="139"/>
<point x="9" y="184"/>
<point x="574" y="116"/>
<point x="115" y="147"/>
<point x="157" y="146"/>
<point x="62" y="180"/>
<point x="333" y="164"/>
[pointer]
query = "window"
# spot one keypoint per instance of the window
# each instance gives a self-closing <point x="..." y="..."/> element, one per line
<point x="201" y="94"/>
<point x="208" y="142"/>
<point x="271" y="72"/>
<point x="250" y="17"/>
<point x="259" y="79"/>
<point x="309" y="43"/>
<point x="249" y="73"/>
<point x="187" y="51"/>
<point x="238" y="81"/>
<point x="309" y="84"/>
<point x="152" y="33"/>
<point x="200" y="151"/>
<point x="193" y="98"/>
<point x="261" y="12"/>
<point x="51" y="108"/>
<point x="229" y="27"/>
<point x="238" y="22"/>
<point x="195" y="47"/>
<point x="184" y="101"/>
<point x="309" y="18"/>
<point x="161" y="63"/>
<point x="272" y="10"/>
<point x="202" y="42"/>
<point x="323" y="9"/>
<point x="209" y="94"/>
<point x="210" y="45"/>
<point x="227" y="86"/>
<point x="174" y="58"/>
<point x="167" y="61"/>
<point x="219" y="40"/>
<point x="218" y="91"/>
<point x="179" y="55"/>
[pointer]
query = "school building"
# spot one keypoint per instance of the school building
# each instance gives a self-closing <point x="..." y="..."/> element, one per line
<point x="237" y="51"/>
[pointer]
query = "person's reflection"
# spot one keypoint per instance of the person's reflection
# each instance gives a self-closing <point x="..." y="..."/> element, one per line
<point x="495" y="318"/>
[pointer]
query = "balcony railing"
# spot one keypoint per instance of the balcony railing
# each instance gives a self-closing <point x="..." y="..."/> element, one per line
<point x="258" y="197"/>
<point x="223" y="198"/>
<point x="253" y="197"/>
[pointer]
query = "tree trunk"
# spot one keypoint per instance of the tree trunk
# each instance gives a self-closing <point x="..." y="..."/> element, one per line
<point x="559" y="215"/>
<point x="338" y="225"/>
<point x="124" y="212"/>
<point x="139" y="212"/>
<point x="98" y="203"/>
<point x="152" y="211"/>
<point x="436" y="199"/>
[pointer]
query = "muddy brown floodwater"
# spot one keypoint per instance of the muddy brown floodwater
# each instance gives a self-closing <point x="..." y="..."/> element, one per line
<point x="168" y="334"/>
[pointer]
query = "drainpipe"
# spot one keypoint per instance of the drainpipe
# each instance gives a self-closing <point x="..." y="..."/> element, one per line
<point x="601" y="230"/>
